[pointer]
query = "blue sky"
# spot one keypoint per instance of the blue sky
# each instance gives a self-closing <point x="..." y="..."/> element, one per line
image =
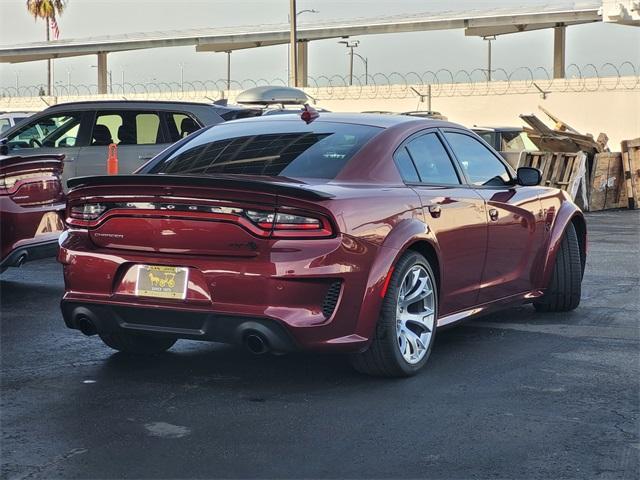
<point x="593" y="43"/>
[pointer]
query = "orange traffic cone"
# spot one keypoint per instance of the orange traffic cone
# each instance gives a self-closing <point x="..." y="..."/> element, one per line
<point x="112" y="160"/>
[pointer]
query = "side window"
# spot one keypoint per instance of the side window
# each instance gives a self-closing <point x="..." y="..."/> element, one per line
<point x="432" y="160"/>
<point x="405" y="166"/>
<point x="479" y="164"/>
<point x="52" y="131"/>
<point x="180" y="125"/>
<point x="126" y="128"/>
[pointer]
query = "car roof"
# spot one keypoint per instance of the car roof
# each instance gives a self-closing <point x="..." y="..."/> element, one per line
<point x="370" y="119"/>
<point x="127" y="103"/>
<point x="496" y="129"/>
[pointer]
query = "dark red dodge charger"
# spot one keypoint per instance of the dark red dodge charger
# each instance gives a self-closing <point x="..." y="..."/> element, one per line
<point x="345" y="233"/>
<point x="31" y="208"/>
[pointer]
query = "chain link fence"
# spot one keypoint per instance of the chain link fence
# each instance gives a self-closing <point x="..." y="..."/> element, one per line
<point x="395" y="85"/>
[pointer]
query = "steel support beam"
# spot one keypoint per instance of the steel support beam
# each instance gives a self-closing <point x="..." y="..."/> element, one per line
<point x="102" y="73"/>
<point x="303" y="64"/>
<point x="559" y="43"/>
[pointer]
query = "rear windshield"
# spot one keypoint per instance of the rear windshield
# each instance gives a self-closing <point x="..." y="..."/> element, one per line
<point x="277" y="148"/>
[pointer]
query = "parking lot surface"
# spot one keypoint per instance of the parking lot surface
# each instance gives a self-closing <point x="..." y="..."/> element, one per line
<point x="512" y="395"/>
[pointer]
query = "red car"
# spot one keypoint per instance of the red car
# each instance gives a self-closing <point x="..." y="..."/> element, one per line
<point x="32" y="208"/>
<point x="346" y="233"/>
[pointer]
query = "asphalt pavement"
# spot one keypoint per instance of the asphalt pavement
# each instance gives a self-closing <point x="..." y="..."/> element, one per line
<point x="513" y="395"/>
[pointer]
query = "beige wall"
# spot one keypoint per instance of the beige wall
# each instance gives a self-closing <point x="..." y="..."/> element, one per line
<point x="591" y="106"/>
<point x="616" y="113"/>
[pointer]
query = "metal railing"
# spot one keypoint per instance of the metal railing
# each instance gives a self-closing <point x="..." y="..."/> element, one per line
<point x="440" y="83"/>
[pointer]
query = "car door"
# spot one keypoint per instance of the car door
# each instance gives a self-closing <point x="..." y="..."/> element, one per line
<point x="454" y="213"/>
<point x="138" y="134"/>
<point x="513" y="212"/>
<point x="63" y="132"/>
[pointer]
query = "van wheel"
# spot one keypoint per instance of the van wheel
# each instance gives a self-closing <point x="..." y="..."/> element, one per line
<point x="406" y="329"/>
<point x="564" y="291"/>
<point x="136" y="343"/>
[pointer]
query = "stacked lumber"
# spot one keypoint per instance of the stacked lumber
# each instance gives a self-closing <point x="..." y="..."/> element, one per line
<point x="563" y="137"/>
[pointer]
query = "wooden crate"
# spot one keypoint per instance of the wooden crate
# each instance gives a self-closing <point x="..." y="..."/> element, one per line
<point x="564" y="170"/>
<point x="607" y="188"/>
<point x="631" y="166"/>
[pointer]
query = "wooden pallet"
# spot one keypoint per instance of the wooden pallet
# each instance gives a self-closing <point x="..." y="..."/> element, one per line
<point x="631" y="166"/>
<point x="607" y="188"/>
<point x="564" y="170"/>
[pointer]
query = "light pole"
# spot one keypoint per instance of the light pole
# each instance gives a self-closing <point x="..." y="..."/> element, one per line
<point x="489" y="40"/>
<point x="181" y="76"/>
<point x="366" y="67"/>
<point x="18" y="82"/>
<point x="228" y="52"/>
<point x="351" y="45"/>
<point x="307" y="10"/>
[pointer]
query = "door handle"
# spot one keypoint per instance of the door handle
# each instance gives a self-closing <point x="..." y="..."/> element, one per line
<point x="145" y="157"/>
<point x="435" y="210"/>
<point x="493" y="214"/>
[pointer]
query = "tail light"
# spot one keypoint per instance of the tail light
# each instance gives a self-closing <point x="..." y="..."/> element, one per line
<point x="264" y="223"/>
<point x="87" y="211"/>
<point x="283" y="224"/>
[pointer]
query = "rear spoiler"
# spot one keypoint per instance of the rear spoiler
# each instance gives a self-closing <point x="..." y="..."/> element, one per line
<point x="220" y="181"/>
<point x="31" y="162"/>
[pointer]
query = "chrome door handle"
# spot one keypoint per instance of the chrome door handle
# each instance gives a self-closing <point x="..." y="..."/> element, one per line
<point x="493" y="214"/>
<point x="145" y="157"/>
<point x="435" y="210"/>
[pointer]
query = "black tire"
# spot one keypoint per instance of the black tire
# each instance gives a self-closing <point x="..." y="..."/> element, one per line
<point x="138" y="344"/>
<point x="383" y="357"/>
<point x="565" y="289"/>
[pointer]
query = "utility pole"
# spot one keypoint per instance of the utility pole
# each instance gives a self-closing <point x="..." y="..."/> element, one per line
<point x="293" y="44"/>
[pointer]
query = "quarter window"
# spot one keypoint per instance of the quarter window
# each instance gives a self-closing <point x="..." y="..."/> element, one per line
<point x="432" y="160"/>
<point x="480" y="165"/>
<point x="406" y="167"/>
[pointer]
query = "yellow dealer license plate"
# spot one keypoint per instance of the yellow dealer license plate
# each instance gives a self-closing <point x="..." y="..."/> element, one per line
<point x="163" y="282"/>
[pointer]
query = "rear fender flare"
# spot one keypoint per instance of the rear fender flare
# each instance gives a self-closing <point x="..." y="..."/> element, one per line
<point x="405" y="234"/>
<point x="567" y="213"/>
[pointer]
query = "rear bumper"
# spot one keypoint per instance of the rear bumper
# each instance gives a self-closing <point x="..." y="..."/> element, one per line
<point x="27" y="253"/>
<point x="179" y="324"/>
<point x="320" y="295"/>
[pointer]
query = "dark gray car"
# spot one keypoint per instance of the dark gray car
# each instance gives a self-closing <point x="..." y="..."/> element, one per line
<point x="84" y="130"/>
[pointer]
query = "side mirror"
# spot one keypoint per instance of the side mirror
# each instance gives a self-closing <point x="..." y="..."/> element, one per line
<point x="528" y="176"/>
<point x="4" y="147"/>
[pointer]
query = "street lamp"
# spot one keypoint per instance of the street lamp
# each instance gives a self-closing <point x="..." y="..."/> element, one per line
<point x="351" y="45"/>
<point x="489" y="39"/>
<point x="181" y="76"/>
<point x="366" y="67"/>
<point x="292" y="56"/>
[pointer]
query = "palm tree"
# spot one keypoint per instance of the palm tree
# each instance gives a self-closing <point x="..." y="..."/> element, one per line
<point x="47" y="10"/>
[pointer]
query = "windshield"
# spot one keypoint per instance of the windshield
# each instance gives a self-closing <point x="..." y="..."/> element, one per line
<point x="276" y="148"/>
